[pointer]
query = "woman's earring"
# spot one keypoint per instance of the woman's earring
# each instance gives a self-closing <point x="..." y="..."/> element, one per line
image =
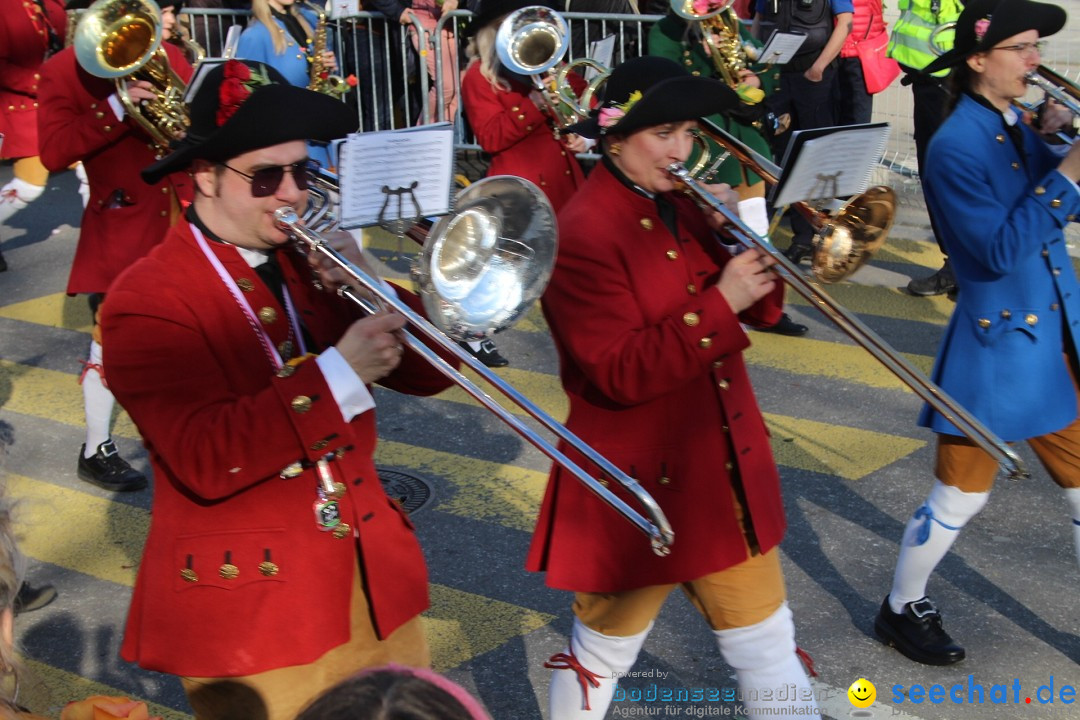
<point x="615" y="148"/>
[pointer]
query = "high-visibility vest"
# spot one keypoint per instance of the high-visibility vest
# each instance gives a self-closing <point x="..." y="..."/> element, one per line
<point x="909" y="43"/>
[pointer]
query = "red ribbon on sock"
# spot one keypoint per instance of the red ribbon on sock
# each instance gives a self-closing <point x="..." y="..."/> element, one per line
<point x="569" y="661"/>
<point x="87" y="367"/>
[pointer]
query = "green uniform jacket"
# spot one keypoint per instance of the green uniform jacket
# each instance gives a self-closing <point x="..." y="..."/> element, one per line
<point x="668" y="38"/>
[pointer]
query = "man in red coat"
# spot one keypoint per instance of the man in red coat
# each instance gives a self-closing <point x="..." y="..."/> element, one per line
<point x="275" y="564"/>
<point x="81" y="118"/>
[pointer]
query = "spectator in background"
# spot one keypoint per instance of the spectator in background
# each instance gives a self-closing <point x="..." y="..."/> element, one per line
<point x="583" y="34"/>
<point x="395" y="693"/>
<point x="427" y="13"/>
<point x="854" y="104"/>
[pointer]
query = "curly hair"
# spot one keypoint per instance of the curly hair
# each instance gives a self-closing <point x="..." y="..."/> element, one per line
<point x="481" y="49"/>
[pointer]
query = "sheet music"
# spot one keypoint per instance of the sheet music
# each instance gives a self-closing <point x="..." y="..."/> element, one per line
<point x="781" y="47"/>
<point x="830" y="162"/>
<point x="396" y="173"/>
<point x="602" y="51"/>
<point x="201" y="71"/>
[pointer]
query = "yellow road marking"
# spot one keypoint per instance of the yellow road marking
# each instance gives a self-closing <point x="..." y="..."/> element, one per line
<point x="56" y="310"/>
<point x="849" y="452"/>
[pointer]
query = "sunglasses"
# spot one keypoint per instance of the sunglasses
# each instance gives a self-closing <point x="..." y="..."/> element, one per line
<point x="266" y="181"/>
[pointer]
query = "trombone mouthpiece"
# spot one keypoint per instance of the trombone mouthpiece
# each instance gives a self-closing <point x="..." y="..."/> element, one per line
<point x="286" y="217"/>
<point x="678" y="170"/>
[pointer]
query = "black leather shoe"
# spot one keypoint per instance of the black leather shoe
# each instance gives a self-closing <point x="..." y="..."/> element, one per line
<point x="786" y="326"/>
<point x="3" y="263"/>
<point x="106" y="469"/>
<point x="487" y="354"/>
<point x="797" y="252"/>
<point x="30" y="598"/>
<point x="940" y="283"/>
<point x="917" y="633"/>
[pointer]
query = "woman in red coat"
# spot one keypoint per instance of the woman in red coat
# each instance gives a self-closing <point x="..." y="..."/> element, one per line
<point x="645" y="306"/>
<point x="30" y="31"/>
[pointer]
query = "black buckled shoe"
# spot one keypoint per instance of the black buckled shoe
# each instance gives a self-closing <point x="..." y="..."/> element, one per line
<point x="487" y="354"/>
<point x="106" y="469"/>
<point x="917" y="633"/>
<point x="797" y="252"/>
<point x="786" y="326"/>
<point x="940" y="283"/>
<point x="30" y="598"/>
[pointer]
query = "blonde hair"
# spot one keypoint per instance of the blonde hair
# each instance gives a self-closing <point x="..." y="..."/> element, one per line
<point x="481" y="49"/>
<point x="264" y="13"/>
<point x="11" y="565"/>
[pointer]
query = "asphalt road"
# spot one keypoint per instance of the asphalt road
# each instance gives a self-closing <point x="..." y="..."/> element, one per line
<point x="854" y="466"/>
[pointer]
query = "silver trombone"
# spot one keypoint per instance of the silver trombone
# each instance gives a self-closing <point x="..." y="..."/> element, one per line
<point x="858" y="331"/>
<point x="480" y="247"/>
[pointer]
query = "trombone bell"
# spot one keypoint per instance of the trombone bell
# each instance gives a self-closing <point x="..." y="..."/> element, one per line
<point x="846" y="242"/>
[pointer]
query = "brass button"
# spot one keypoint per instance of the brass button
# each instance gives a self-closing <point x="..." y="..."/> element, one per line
<point x="1055" y="271"/>
<point x="291" y="471"/>
<point x="319" y="444"/>
<point x="189" y="575"/>
<point x="1070" y="218"/>
<point x="695" y="73"/>
<point x="229" y="571"/>
<point x="664" y="481"/>
<point x="705" y="343"/>
<point x="268" y="568"/>
<point x="725" y="428"/>
<point x="1031" y="319"/>
<point x="107" y="128"/>
<point x="691" y="319"/>
<point x="340" y="453"/>
<point x="729" y="466"/>
<point x="984" y="323"/>
<point x="692" y="289"/>
<point x="286" y="371"/>
<point x="672" y="255"/>
<point x="164" y="190"/>
<point x="164" y="213"/>
<point x="604" y="481"/>
<point x="1040" y="190"/>
<point x="1006" y="314"/>
<point x="567" y="172"/>
<point x="1055" y="203"/>
<point x="301" y="403"/>
<point x="1054" y="307"/>
<point x="516" y="108"/>
<point x="723" y="384"/>
<point x="1000" y="138"/>
<point x="343" y="530"/>
<point x="521" y="117"/>
<point x="1016" y="166"/>
<point x="646" y="223"/>
<point x="1045" y="253"/>
<point x="268" y="315"/>
<point x="245" y="284"/>
<point x="93" y="106"/>
<point x="99" y="114"/>
<point x="529" y="128"/>
<point x="718" y="363"/>
<point x="688" y="63"/>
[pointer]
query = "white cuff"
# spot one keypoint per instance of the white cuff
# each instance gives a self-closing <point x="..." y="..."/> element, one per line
<point x="1071" y="182"/>
<point x="117" y="107"/>
<point x="351" y="395"/>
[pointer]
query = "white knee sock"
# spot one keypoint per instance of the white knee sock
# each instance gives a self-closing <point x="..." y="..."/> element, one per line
<point x="1073" y="496"/>
<point x="98" y="401"/>
<point x="575" y="695"/>
<point x="84" y="184"/>
<point x="928" y="536"/>
<point x="16" y="195"/>
<point x="767" y="668"/>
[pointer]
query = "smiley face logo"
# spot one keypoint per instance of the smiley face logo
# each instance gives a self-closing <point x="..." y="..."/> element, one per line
<point x="862" y="693"/>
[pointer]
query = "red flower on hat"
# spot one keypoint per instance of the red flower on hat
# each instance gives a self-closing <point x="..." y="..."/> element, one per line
<point x="981" y="26"/>
<point x="238" y="83"/>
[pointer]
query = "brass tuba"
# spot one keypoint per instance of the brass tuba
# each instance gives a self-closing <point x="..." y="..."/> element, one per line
<point x="720" y="27"/>
<point x="121" y="40"/>
<point x="320" y="79"/>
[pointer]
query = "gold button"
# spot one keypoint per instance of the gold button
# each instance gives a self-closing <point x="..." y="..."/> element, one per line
<point x="1016" y="166"/>
<point x="723" y="384"/>
<point x="984" y="323"/>
<point x="705" y="343"/>
<point x="107" y="128"/>
<point x="563" y="153"/>
<point x="99" y="115"/>
<point x="1070" y="218"/>
<point x="301" y="403"/>
<point x="718" y="363"/>
<point x="1054" y="307"/>
<point x="164" y="213"/>
<point x="672" y="255"/>
<point x="268" y="315"/>
<point x="93" y="106"/>
<point x="567" y="172"/>
<point x="291" y="471"/>
<point x="646" y="223"/>
<point x="521" y="117"/>
<point x="691" y="319"/>
<point x="728" y="465"/>
<point x="604" y="482"/>
<point x="692" y="289"/>
<point x="664" y="481"/>
<point x="229" y="571"/>
<point x="1055" y="203"/>
<point x="268" y="568"/>
<point x="529" y="128"/>
<point x="319" y="444"/>
<point x="688" y="63"/>
<point x="164" y="190"/>
<point x="1006" y="314"/>
<point x="245" y="284"/>
<point x="516" y="108"/>
<point x="1040" y="190"/>
<point x="1031" y="319"/>
<point x="286" y="371"/>
<point x="340" y="453"/>
<point x="1045" y="253"/>
<point x="725" y="428"/>
<point x="343" y="530"/>
<point x="1000" y="138"/>
<point x="189" y="575"/>
<point x="1055" y="271"/>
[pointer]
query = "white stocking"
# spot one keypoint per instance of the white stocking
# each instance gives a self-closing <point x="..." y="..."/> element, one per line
<point x="585" y="676"/>
<point x="770" y="675"/>
<point x="16" y="195"/>
<point x="98" y="401"/>
<point x="928" y="536"/>
<point x="84" y="184"/>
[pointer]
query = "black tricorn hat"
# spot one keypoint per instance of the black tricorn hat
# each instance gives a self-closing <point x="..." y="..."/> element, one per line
<point x="985" y="23"/>
<point x="241" y="105"/>
<point x="491" y="10"/>
<point x="647" y="91"/>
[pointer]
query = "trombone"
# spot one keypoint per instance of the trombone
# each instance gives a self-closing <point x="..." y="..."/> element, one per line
<point x="858" y="331"/>
<point x="483" y="267"/>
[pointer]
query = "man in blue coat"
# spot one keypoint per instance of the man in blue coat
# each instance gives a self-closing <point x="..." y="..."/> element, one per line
<point x="1009" y="355"/>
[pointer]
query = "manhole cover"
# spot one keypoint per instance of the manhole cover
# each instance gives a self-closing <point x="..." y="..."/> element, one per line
<point x="409" y="492"/>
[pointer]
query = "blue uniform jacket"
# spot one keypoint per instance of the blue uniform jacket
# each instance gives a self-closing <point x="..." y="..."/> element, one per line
<point x="1001" y="218"/>
<point x="256" y="44"/>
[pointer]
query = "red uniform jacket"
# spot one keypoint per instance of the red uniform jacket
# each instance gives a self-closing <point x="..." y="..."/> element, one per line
<point x="651" y="358"/>
<point x="125" y="217"/>
<point x="518" y="136"/>
<point x="220" y="427"/>
<point x="22" y="50"/>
